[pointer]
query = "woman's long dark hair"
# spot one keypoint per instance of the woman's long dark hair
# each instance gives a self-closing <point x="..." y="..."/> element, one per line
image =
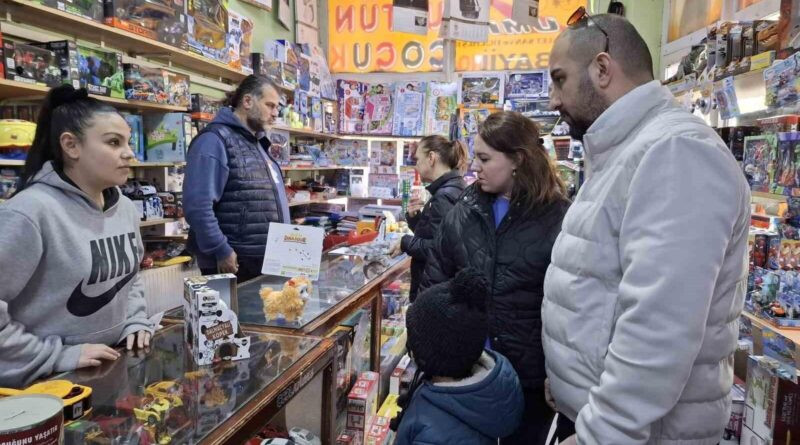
<point x="536" y="180"/>
<point x="64" y="109"/>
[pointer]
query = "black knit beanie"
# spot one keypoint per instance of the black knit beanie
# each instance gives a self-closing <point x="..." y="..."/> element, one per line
<point x="447" y="326"/>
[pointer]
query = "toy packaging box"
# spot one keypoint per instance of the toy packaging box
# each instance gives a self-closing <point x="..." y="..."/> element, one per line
<point x="101" y="72"/>
<point x="362" y="403"/>
<point x="66" y="53"/>
<point x="772" y="405"/>
<point x="30" y="64"/>
<point x="145" y="84"/>
<point x="777" y="124"/>
<point x="88" y="9"/>
<point x="240" y="37"/>
<point x="207" y="29"/>
<point x="211" y="327"/>
<point x="274" y="70"/>
<point x="162" y="20"/>
<point x="409" y="109"/>
<point x="167" y="136"/>
<point x="441" y="105"/>
<point x="351" y="106"/>
<point x="177" y="87"/>
<point x="759" y="158"/>
<point x="378" y="110"/>
<point x="204" y="107"/>
<point x="137" y="134"/>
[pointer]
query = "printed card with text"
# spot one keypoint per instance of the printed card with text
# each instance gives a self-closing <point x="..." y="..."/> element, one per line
<point x="293" y="250"/>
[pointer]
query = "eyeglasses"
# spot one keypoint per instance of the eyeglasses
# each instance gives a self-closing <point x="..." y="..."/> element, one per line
<point x="581" y="14"/>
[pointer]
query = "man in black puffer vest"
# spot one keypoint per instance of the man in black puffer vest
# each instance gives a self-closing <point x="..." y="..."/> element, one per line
<point x="233" y="189"/>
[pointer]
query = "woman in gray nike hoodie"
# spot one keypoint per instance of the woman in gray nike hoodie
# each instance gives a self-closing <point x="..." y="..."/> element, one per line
<point x="70" y="246"/>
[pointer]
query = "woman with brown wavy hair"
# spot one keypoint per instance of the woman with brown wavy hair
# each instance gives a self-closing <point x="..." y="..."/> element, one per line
<point x="505" y="224"/>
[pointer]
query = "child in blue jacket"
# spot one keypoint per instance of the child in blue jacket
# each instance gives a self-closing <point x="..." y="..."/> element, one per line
<point x="462" y="394"/>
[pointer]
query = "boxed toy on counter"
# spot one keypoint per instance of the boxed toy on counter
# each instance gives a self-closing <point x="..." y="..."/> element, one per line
<point x="163" y="20"/>
<point x="167" y="136"/>
<point x="177" y="87"/>
<point x="30" y="64"/>
<point x="145" y="84"/>
<point x="362" y="404"/>
<point x="772" y="406"/>
<point x="66" y="53"/>
<point x="211" y="327"/>
<point x="88" y="9"/>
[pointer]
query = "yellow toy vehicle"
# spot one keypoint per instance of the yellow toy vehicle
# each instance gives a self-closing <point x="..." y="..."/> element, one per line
<point x="77" y="398"/>
<point x="167" y="389"/>
<point x="153" y="411"/>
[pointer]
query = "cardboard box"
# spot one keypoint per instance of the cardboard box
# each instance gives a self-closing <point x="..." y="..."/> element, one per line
<point x="211" y="327"/>
<point x="145" y="84"/>
<point x="88" y="9"/>
<point x="207" y="29"/>
<point x="177" y="88"/>
<point x="167" y="136"/>
<point x="137" y="134"/>
<point x="362" y="403"/>
<point x="379" y="432"/>
<point x="66" y="54"/>
<point x="772" y="406"/>
<point x="164" y="20"/>
<point x="397" y="374"/>
<point x="779" y="124"/>
<point x="205" y="108"/>
<point x="350" y="438"/>
<point x="101" y="72"/>
<point x="30" y="64"/>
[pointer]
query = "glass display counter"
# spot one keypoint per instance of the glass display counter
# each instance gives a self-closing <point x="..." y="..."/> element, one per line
<point x="160" y="396"/>
<point x="349" y="280"/>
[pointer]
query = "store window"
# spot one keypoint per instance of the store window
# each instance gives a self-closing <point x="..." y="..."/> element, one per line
<point x="688" y="16"/>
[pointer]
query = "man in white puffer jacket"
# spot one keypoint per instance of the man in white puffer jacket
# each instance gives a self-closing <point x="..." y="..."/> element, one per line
<point x="648" y="275"/>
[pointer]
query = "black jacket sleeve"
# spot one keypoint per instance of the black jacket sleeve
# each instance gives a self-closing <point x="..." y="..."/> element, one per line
<point x="440" y="263"/>
<point x="413" y="220"/>
<point x="419" y="247"/>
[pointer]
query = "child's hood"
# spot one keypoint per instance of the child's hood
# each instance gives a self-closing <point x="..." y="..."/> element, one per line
<point x="490" y="401"/>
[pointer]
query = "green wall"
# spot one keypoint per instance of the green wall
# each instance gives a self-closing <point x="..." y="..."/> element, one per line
<point x="646" y="16"/>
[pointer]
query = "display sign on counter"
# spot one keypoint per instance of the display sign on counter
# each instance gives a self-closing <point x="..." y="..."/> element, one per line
<point x="293" y="251"/>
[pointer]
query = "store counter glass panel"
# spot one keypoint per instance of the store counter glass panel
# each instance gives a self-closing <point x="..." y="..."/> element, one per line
<point x="343" y="272"/>
<point x="161" y="396"/>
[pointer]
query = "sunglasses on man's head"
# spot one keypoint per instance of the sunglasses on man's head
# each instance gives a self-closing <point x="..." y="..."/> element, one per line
<point x="579" y="15"/>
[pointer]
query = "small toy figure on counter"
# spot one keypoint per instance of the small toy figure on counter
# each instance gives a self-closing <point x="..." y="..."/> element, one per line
<point x="289" y="302"/>
<point x="70" y="231"/>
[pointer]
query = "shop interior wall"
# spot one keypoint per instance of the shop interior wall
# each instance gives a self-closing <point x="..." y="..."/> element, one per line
<point x="647" y="16"/>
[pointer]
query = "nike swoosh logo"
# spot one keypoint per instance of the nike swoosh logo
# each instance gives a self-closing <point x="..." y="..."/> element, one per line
<point x="81" y="305"/>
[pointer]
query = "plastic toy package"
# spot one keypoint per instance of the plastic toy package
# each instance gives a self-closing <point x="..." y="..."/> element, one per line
<point x="177" y="87"/>
<point x="240" y="36"/>
<point x="759" y="161"/>
<point x="351" y="106"/>
<point x="441" y="106"/>
<point x="167" y="136"/>
<point x="162" y="20"/>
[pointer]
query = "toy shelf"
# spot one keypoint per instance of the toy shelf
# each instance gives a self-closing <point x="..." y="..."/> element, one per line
<point x="11" y="163"/>
<point x="10" y="89"/>
<point x="302" y="132"/>
<point x="156" y="222"/>
<point x="791" y="334"/>
<point x="32" y="13"/>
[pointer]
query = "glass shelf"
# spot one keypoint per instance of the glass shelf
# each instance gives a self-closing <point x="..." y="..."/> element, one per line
<point x="162" y="396"/>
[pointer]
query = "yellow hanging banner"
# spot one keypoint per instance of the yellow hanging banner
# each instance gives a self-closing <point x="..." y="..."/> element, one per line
<point x="512" y="46"/>
<point x="360" y="39"/>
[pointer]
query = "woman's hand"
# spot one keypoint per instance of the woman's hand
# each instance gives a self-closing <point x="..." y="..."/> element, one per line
<point x="140" y="339"/>
<point x="93" y="354"/>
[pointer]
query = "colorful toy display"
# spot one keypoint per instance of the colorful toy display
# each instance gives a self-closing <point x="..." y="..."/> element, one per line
<point x="378" y="110"/>
<point x="351" y="106"/>
<point x="440" y="108"/>
<point x="145" y="84"/>
<point x="240" y="36"/>
<point x="759" y="158"/>
<point x="66" y="53"/>
<point x="207" y="29"/>
<point x="204" y="107"/>
<point x="289" y="302"/>
<point x="88" y="9"/>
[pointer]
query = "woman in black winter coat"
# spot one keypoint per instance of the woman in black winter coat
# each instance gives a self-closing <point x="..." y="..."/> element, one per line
<point x="505" y="224"/>
<point x="440" y="163"/>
